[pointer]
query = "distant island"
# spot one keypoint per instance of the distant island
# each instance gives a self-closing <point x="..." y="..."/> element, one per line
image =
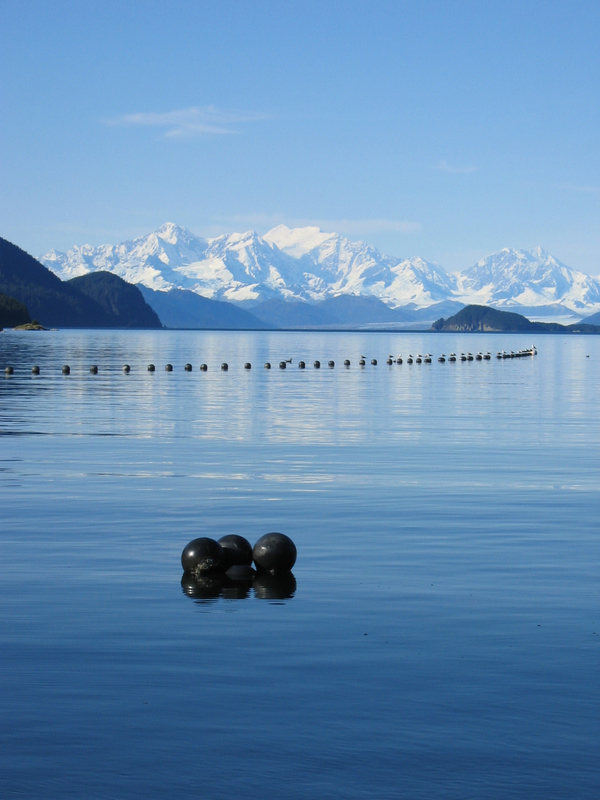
<point x="483" y="319"/>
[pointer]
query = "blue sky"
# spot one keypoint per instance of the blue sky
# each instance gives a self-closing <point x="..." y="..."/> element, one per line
<point x="442" y="129"/>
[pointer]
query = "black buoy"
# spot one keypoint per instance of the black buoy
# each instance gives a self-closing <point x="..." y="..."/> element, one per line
<point x="317" y="365"/>
<point x="35" y="370"/>
<point x="66" y="370"/>
<point x="247" y="365"/>
<point x="282" y="365"/>
<point x="224" y="366"/>
<point x="94" y="369"/>
<point x="389" y="361"/>
<point x="399" y="360"/>
<point x="267" y="365"/>
<point x="126" y="368"/>
<point x="347" y="362"/>
<point x="168" y="367"/>
<point x="203" y="556"/>
<point x="188" y="368"/>
<point x="362" y="362"/>
<point x="8" y="371"/>
<point x="151" y="367"/>
<point x="301" y="365"/>
<point x="274" y="553"/>
<point x="331" y="364"/>
<point x="203" y="367"/>
<point x="374" y="362"/>
<point x="238" y="551"/>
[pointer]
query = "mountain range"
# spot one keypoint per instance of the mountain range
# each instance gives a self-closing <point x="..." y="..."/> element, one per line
<point x="293" y="275"/>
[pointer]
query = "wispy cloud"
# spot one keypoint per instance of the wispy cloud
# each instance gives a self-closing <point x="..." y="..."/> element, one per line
<point x="443" y="166"/>
<point x="190" y="122"/>
<point x="579" y="188"/>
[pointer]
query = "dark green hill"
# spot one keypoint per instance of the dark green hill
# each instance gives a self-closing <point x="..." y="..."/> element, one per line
<point x="485" y="319"/>
<point x="12" y="312"/>
<point x="47" y="298"/>
<point x="120" y="300"/>
<point x="94" y="303"/>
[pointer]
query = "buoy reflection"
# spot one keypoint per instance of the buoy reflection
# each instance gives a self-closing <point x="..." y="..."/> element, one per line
<point x="238" y="585"/>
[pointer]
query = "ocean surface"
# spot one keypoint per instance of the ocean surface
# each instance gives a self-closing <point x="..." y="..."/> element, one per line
<point x="440" y="634"/>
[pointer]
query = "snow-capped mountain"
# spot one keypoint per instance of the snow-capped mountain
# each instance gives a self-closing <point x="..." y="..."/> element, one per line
<point x="293" y="264"/>
<point x="307" y="264"/>
<point x="526" y="278"/>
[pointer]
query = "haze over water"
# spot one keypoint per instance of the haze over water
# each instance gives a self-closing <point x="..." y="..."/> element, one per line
<point x="440" y="637"/>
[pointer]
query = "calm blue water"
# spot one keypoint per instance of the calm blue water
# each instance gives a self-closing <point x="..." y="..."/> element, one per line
<point x="440" y="637"/>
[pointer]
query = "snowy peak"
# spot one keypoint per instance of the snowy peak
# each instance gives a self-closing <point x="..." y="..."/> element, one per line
<point x="527" y="278"/>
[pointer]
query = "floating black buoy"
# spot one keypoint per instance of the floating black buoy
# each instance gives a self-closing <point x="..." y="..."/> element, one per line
<point x="347" y="362"/>
<point x="317" y="365"/>
<point x="203" y="367"/>
<point x="282" y="365"/>
<point x="66" y="370"/>
<point x="331" y="364"/>
<point x="203" y="556"/>
<point x="389" y="361"/>
<point x="238" y="551"/>
<point x="8" y="371"/>
<point x="94" y="369"/>
<point x="168" y="367"/>
<point x="151" y="367"/>
<point x="301" y="365"/>
<point x="362" y="362"/>
<point x="35" y="370"/>
<point x="274" y="553"/>
<point x="399" y="360"/>
<point x="224" y="366"/>
<point x="374" y="362"/>
<point x="267" y="365"/>
<point x="188" y="368"/>
<point x="247" y="365"/>
<point x="126" y="368"/>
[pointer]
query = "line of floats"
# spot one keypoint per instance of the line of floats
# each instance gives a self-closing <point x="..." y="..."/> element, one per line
<point x="410" y="359"/>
